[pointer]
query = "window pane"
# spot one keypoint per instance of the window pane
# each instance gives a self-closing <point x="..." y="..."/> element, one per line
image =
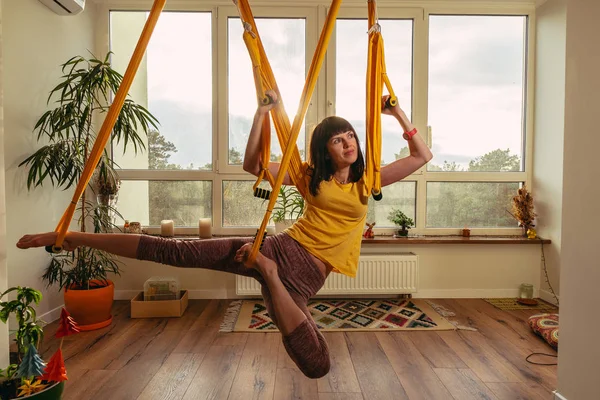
<point x="284" y="43"/>
<point x="351" y="70"/>
<point x="185" y="202"/>
<point x="470" y="204"/>
<point x="240" y="207"/>
<point x="399" y="195"/>
<point x="476" y="92"/>
<point x="174" y="82"/>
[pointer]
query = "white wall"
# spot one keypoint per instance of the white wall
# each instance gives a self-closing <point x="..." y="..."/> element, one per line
<point x="579" y="351"/>
<point x="3" y="271"/>
<point x="36" y="42"/>
<point x="549" y="132"/>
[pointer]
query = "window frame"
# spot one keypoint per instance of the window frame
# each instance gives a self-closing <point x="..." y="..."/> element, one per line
<point x="323" y="102"/>
<point x="524" y="176"/>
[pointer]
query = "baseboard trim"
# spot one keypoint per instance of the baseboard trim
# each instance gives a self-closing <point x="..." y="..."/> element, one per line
<point x="464" y="293"/>
<point x="558" y="396"/>
<point x="547" y="296"/>
<point x="51" y="315"/>
<point x="226" y="293"/>
<point x="192" y="294"/>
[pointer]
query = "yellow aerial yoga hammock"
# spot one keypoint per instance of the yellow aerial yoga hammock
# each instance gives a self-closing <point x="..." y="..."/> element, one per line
<point x="264" y="79"/>
<point x="109" y="123"/>
<point x="376" y="77"/>
<point x="286" y="134"/>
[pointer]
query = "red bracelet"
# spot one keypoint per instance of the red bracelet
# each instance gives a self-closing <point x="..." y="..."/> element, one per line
<point x="408" y="135"/>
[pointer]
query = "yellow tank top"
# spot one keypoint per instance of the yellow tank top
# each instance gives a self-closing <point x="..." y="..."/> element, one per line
<point x="332" y="224"/>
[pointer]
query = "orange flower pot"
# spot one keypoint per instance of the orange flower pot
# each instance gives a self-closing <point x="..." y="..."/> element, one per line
<point x="91" y="309"/>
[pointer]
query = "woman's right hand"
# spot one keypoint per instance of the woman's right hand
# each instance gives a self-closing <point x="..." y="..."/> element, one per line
<point x="44" y="239"/>
<point x="264" y="109"/>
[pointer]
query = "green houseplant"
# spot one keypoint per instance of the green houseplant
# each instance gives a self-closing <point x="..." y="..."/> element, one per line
<point x="81" y="97"/>
<point x="288" y="207"/>
<point x="400" y="219"/>
<point x="16" y="380"/>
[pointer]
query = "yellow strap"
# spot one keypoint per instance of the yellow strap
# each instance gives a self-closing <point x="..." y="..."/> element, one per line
<point x="376" y="78"/>
<point x="250" y="40"/>
<point x="266" y="154"/>
<point x="111" y="118"/>
<point x="288" y="135"/>
<point x="280" y="118"/>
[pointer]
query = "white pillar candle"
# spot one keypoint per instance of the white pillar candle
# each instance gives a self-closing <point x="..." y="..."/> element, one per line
<point x="167" y="228"/>
<point x="205" y="225"/>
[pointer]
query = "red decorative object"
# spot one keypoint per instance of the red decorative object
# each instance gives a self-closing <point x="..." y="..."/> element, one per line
<point x="369" y="232"/>
<point x="68" y="326"/>
<point x="55" y="370"/>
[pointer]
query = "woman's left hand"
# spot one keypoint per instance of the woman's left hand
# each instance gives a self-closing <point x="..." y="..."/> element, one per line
<point x="395" y="110"/>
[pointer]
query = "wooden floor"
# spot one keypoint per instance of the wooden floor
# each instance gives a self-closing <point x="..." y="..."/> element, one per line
<point x="187" y="358"/>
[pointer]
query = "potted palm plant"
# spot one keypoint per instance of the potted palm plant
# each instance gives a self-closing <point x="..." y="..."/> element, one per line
<point x="400" y="219"/>
<point x="81" y="96"/>
<point x="288" y="208"/>
<point x="25" y="375"/>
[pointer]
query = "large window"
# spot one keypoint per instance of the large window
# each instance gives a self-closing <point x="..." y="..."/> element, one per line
<point x="476" y="88"/>
<point x="175" y="84"/>
<point x="476" y="114"/>
<point x="460" y="78"/>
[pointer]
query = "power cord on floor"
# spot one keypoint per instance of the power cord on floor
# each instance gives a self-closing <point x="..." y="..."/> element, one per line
<point x="541" y="354"/>
<point x="555" y="298"/>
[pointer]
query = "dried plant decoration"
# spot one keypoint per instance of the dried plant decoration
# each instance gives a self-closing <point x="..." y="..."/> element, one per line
<point x="522" y="208"/>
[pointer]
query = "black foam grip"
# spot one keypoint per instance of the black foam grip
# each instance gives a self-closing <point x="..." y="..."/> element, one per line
<point x="262" y="193"/>
<point x="262" y="241"/>
<point x="53" y="249"/>
<point x="391" y="102"/>
<point x="267" y="100"/>
<point x="377" y="196"/>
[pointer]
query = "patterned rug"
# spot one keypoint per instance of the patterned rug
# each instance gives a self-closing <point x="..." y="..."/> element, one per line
<point x="510" y="304"/>
<point x="342" y="315"/>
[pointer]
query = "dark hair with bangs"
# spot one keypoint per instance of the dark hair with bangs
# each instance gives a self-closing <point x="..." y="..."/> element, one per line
<point x="321" y="167"/>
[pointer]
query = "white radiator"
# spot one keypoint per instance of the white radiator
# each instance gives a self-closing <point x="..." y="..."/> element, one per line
<point x="377" y="274"/>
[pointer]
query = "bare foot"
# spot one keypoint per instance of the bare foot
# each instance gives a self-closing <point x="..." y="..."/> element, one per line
<point x="42" y="240"/>
<point x="262" y="264"/>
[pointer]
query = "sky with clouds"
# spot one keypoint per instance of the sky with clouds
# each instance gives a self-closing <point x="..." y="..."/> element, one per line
<point x="476" y="67"/>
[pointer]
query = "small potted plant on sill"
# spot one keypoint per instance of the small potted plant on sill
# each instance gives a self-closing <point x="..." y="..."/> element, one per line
<point x="288" y="208"/>
<point x="400" y="219"/>
<point x="28" y="376"/>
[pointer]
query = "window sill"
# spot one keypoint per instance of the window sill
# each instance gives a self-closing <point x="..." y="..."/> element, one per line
<point x="418" y="239"/>
<point x="421" y="239"/>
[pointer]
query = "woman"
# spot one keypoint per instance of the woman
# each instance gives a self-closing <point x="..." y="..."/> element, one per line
<point x="293" y="265"/>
